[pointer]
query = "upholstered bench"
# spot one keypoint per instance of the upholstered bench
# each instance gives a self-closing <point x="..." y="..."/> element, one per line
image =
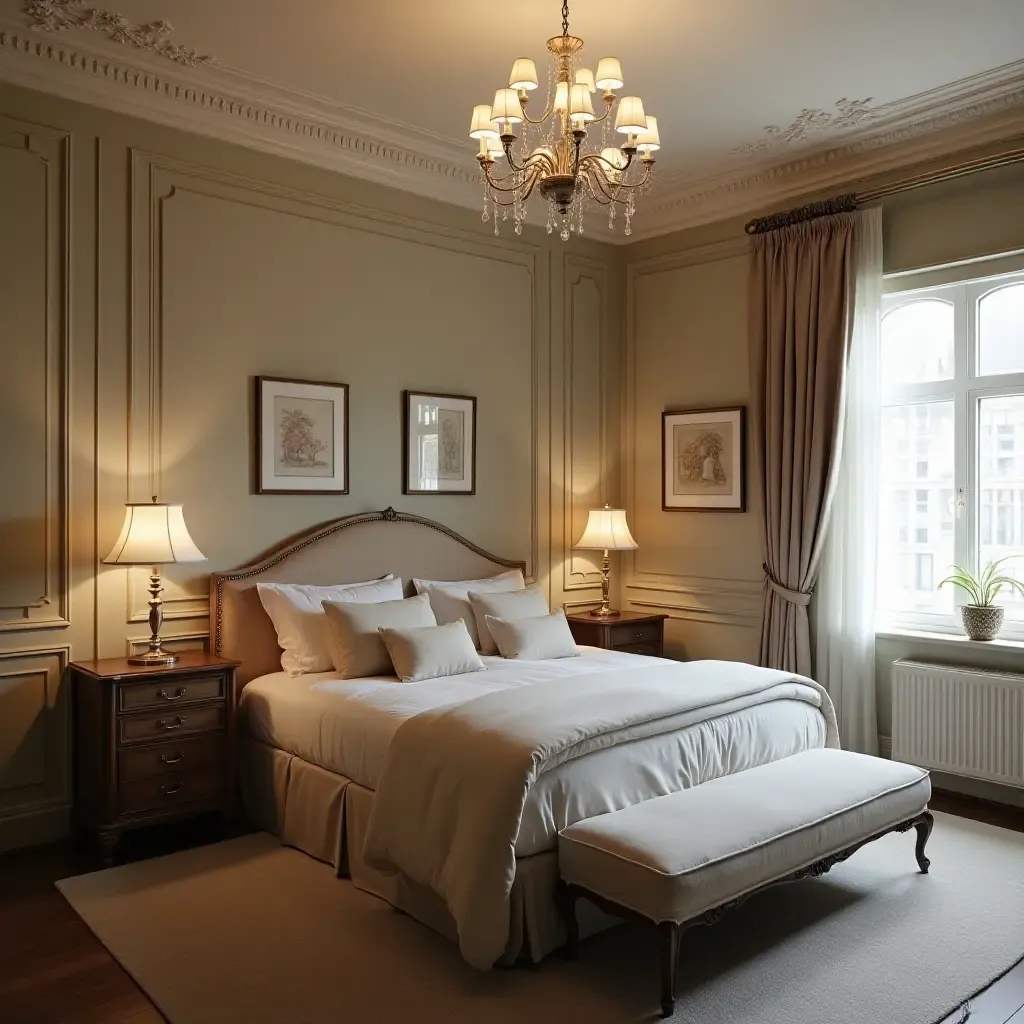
<point x="684" y="859"/>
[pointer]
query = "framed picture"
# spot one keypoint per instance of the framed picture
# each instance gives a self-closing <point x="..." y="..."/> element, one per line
<point x="702" y="453"/>
<point x="439" y="443"/>
<point x="301" y="436"/>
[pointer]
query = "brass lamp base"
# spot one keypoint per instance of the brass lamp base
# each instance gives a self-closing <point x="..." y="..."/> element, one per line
<point x="606" y="613"/>
<point x="156" y="655"/>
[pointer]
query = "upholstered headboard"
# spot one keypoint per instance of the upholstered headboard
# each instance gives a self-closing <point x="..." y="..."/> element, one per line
<point x="359" y="547"/>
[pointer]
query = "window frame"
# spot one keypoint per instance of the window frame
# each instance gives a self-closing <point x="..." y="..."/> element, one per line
<point x="965" y="287"/>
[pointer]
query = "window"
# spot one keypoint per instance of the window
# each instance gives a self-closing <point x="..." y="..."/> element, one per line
<point x="952" y="462"/>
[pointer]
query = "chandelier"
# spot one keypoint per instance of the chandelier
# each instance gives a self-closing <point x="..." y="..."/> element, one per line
<point x="553" y="157"/>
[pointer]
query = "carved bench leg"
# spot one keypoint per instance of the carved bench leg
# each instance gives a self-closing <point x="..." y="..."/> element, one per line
<point x="565" y="898"/>
<point x="924" y="830"/>
<point x="668" y="938"/>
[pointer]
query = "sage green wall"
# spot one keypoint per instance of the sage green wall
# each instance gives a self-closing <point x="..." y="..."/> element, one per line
<point x="686" y="346"/>
<point x="146" y="276"/>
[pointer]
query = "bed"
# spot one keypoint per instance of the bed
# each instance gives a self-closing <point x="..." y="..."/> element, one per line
<point x="313" y="749"/>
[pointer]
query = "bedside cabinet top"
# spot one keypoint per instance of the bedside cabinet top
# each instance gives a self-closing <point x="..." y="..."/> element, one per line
<point x="121" y="668"/>
<point x="632" y="618"/>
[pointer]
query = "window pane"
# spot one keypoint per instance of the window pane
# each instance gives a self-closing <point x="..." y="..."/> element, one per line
<point x="917" y="342"/>
<point x="915" y="538"/>
<point x="1001" y="331"/>
<point x="1001" y="485"/>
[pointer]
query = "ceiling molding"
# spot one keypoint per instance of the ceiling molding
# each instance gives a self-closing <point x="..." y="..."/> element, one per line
<point x="817" y="151"/>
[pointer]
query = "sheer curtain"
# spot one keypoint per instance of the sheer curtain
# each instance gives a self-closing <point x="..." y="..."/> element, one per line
<point x="846" y="594"/>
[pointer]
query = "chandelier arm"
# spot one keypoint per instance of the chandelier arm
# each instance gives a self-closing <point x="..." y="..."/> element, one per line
<point x="591" y="176"/>
<point x="540" y="157"/>
<point x="506" y="143"/>
<point x="494" y="183"/>
<point x="543" y="117"/>
<point x="596" y="159"/>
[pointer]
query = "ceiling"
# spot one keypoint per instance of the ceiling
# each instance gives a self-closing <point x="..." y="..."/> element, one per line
<point x="740" y="87"/>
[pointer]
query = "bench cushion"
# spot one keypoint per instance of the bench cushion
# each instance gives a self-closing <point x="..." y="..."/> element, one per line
<point x="674" y="857"/>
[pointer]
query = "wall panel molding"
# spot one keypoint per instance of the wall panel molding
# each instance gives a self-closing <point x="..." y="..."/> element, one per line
<point x="45" y="602"/>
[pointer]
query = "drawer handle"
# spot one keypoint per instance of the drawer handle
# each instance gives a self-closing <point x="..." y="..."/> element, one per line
<point x="172" y="760"/>
<point x="638" y="635"/>
<point x="176" y="724"/>
<point x="177" y="696"/>
<point x="171" y="790"/>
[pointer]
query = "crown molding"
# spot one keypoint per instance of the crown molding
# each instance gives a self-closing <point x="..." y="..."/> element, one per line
<point x="238" y="107"/>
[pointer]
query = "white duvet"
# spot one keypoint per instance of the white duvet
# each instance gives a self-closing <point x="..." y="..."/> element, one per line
<point x="347" y="726"/>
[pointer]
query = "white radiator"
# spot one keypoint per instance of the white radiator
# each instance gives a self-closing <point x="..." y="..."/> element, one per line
<point x="958" y="720"/>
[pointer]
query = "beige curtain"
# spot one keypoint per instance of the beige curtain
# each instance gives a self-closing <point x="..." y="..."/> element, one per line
<point x="800" y="319"/>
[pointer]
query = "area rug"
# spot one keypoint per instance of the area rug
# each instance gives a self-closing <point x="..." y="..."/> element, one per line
<point x="249" y="932"/>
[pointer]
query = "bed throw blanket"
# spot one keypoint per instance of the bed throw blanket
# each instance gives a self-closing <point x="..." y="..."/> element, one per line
<point x="447" y="810"/>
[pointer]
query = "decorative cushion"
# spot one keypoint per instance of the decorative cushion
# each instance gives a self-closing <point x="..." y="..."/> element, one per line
<point x="678" y="856"/>
<point x="354" y="631"/>
<point x="428" y="652"/>
<point x="450" y="601"/>
<point x="536" y="639"/>
<point x="296" y="610"/>
<point x="513" y="604"/>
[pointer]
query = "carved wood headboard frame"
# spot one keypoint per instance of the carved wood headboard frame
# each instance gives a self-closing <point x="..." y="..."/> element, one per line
<point x="345" y="550"/>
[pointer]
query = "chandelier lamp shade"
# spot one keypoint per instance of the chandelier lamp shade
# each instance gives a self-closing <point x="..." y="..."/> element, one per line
<point x="556" y="154"/>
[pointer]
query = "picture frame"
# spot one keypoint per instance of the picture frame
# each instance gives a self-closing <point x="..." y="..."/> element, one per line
<point x="301" y="436"/>
<point x="703" y="460"/>
<point x="438" y="443"/>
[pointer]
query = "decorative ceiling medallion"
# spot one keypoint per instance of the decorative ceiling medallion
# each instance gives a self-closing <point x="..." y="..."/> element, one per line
<point x="62" y="15"/>
<point x="812" y="121"/>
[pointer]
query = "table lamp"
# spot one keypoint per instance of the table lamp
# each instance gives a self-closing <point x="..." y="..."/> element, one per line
<point x="606" y="531"/>
<point x="154" y="534"/>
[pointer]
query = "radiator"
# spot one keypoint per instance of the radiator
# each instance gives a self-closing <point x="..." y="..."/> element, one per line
<point x="958" y="720"/>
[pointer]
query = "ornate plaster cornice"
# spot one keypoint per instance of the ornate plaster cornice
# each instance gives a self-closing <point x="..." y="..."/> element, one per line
<point x="817" y="151"/>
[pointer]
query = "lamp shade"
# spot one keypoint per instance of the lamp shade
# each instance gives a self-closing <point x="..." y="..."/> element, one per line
<point x="584" y="76"/>
<point x="648" y="141"/>
<point x="630" y="118"/>
<point x="607" y="530"/>
<point x="495" y="150"/>
<point x="153" y="534"/>
<point x="609" y="73"/>
<point x="482" y="127"/>
<point x="524" y="74"/>
<point x="507" y="107"/>
<point x="561" y="102"/>
<point x="580" y="107"/>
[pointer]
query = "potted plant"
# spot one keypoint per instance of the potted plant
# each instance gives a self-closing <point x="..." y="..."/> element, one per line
<point x="982" y="619"/>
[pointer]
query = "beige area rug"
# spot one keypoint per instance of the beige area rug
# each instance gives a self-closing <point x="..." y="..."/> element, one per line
<point x="248" y="932"/>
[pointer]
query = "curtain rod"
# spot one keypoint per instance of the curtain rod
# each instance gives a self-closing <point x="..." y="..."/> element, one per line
<point x="851" y="200"/>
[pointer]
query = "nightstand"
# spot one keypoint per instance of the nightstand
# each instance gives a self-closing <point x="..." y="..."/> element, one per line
<point x="151" y="743"/>
<point x="629" y="631"/>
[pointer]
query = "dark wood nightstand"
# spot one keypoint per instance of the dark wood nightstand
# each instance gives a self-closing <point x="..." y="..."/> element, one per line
<point x="631" y="632"/>
<point x="152" y="743"/>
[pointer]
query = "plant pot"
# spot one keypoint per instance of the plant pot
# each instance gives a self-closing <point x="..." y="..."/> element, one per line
<point x="982" y="621"/>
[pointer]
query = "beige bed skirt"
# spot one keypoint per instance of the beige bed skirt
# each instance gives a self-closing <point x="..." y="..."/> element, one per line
<point x="325" y="815"/>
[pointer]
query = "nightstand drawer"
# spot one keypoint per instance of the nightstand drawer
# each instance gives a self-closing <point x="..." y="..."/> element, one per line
<point x="172" y="722"/>
<point x="653" y="650"/>
<point x="163" y="793"/>
<point x="645" y="632"/>
<point x="157" y="694"/>
<point x="174" y="756"/>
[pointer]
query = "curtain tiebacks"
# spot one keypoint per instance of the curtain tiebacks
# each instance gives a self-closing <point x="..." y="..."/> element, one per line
<point x="797" y="597"/>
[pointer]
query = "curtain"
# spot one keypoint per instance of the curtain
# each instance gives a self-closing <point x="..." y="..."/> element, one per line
<point x="845" y="595"/>
<point x="800" y="319"/>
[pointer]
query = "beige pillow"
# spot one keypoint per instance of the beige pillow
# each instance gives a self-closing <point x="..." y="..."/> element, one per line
<point x="354" y="632"/>
<point x="534" y="639"/>
<point x="296" y="610"/>
<point x="514" y="604"/>
<point x="431" y="651"/>
<point x="450" y="603"/>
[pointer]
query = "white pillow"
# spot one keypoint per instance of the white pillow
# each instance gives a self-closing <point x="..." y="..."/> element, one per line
<point x="296" y="610"/>
<point x="450" y="603"/>
<point x="429" y="652"/>
<point x="534" y="639"/>
<point x="354" y="632"/>
<point x="514" y="604"/>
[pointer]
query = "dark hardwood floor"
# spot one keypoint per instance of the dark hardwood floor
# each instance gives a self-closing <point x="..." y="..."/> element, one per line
<point x="53" y="971"/>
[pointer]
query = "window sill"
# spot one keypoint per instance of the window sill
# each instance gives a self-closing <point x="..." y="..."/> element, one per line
<point x="950" y="640"/>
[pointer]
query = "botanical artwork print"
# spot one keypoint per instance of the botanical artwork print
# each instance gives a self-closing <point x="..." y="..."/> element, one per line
<point x="304" y="432"/>
<point x="451" y="427"/>
<point x="702" y="458"/>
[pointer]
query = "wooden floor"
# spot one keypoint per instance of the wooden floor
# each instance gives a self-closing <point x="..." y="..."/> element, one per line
<point x="53" y="971"/>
